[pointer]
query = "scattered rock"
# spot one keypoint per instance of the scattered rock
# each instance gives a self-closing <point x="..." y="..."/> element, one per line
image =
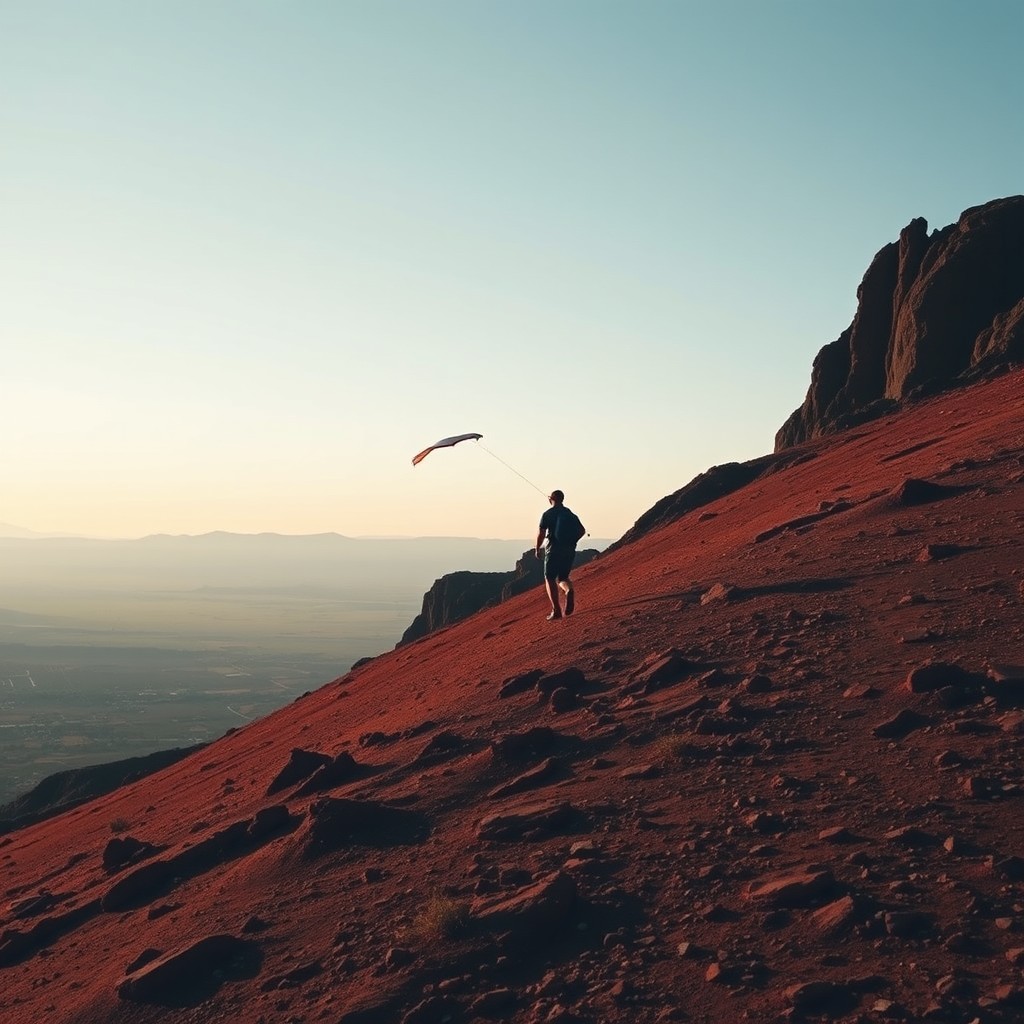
<point x="517" y="746"/>
<point x="660" y="671"/>
<point x="920" y="492"/>
<point x="571" y="679"/>
<point x="720" y="593"/>
<point x="495" y="1003"/>
<point x="336" y="822"/>
<point x="542" y="905"/>
<point x="798" y="889"/>
<point x="835" y="917"/>
<point x="837" y="835"/>
<point x="398" y="956"/>
<point x="820" y="996"/>
<point x="933" y="676"/>
<point x="123" y="851"/>
<point x="938" y="552"/>
<point x="906" y="924"/>
<point x="301" y="765"/>
<point x="442" y="747"/>
<point x="900" y="725"/>
<point x="980" y="787"/>
<point x="911" y="837"/>
<point x="269" y="820"/>
<point x="527" y="822"/>
<point x="861" y="691"/>
<point x="521" y="683"/>
<point x="563" y="700"/>
<point x="193" y="972"/>
<point x="336" y="772"/>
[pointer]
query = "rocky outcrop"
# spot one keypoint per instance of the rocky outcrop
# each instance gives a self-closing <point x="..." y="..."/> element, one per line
<point x="709" y="486"/>
<point x="458" y="595"/>
<point x="929" y="309"/>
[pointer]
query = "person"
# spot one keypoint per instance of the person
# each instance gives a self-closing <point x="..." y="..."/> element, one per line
<point x="558" y="555"/>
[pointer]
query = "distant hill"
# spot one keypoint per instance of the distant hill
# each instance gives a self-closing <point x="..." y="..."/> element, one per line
<point x="63" y="790"/>
<point x="246" y="560"/>
<point x="21" y="533"/>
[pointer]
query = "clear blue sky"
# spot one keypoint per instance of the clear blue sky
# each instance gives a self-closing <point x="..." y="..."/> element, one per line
<point x="255" y="255"/>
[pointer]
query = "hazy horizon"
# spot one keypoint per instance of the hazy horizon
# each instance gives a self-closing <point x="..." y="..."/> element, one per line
<point x="112" y="648"/>
<point x="24" y="533"/>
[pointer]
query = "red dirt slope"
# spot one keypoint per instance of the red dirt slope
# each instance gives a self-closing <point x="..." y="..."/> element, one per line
<point x="712" y="794"/>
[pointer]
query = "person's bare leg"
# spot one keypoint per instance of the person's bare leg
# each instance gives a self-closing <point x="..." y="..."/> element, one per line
<point x="570" y="598"/>
<point x="553" y="597"/>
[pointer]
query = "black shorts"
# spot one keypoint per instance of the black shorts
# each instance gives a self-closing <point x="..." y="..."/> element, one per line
<point x="558" y="563"/>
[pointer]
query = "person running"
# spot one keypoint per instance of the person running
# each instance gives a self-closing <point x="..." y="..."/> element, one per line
<point x="561" y="530"/>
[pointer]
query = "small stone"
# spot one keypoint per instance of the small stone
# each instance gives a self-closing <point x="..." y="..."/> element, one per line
<point x="837" y="835"/>
<point x="396" y="957"/>
<point x="900" y="725"/>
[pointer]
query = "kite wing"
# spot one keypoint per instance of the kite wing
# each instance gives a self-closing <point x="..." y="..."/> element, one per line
<point x="445" y="442"/>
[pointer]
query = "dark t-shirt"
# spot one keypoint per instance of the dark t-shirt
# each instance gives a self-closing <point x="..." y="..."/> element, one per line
<point x="547" y="522"/>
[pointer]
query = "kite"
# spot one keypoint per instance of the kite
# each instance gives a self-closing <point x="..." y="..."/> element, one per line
<point x="445" y="442"/>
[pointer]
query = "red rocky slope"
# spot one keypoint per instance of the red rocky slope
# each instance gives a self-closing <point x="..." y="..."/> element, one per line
<point x="729" y="787"/>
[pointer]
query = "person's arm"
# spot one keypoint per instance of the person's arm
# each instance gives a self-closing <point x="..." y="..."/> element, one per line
<point x="538" y="547"/>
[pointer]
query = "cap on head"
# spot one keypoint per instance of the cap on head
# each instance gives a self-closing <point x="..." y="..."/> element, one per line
<point x="556" y="496"/>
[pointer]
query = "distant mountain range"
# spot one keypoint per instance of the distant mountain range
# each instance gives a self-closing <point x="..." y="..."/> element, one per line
<point x="9" y="530"/>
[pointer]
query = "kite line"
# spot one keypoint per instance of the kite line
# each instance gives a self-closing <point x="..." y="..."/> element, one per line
<point x="511" y="468"/>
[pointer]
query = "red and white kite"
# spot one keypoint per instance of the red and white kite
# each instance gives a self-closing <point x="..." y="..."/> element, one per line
<point x="445" y="442"/>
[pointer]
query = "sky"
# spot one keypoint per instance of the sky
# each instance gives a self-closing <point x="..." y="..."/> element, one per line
<point x="255" y="255"/>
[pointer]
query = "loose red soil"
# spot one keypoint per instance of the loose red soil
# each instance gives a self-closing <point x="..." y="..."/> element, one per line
<point x="690" y="794"/>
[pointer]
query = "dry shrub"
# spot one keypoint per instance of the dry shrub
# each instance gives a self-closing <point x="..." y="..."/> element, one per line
<point x="671" y="747"/>
<point x="441" y="918"/>
<point x="119" y="825"/>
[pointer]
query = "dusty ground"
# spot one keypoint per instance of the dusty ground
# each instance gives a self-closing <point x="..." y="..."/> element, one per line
<point x="741" y="810"/>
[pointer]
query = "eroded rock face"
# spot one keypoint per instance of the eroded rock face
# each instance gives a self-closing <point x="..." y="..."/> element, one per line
<point x="458" y="595"/>
<point x="929" y="309"/>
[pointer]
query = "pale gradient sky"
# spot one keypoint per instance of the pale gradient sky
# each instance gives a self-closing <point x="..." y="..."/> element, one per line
<point x="255" y="255"/>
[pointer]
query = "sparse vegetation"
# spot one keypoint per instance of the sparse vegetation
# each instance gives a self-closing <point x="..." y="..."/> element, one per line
<point x="670" y="747"/>
<point x="442" y="918"/>
<point x="119" y="825"/>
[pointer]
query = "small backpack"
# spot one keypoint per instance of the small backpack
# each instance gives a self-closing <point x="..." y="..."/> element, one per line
<point x="568" y="528"/>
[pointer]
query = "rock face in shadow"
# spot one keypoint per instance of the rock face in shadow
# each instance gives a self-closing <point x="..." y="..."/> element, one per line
<point x="930" y="309"/>
<point x="189" y="975"/>
<point x="457" y="595"/>
<point x="337" y="823"/>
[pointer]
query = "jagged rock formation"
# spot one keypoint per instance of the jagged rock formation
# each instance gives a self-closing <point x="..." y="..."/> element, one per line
<point x="930" y="308"/>
<point x="457" y="595"/>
